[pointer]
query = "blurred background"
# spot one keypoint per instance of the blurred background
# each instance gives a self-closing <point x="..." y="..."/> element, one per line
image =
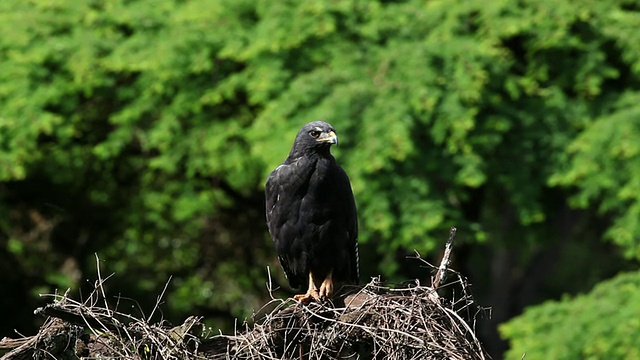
<point x="143" y="132"/>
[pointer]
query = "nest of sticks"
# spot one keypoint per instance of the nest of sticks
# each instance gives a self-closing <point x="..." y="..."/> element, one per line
<point x="374" y="321"/>
<point x="409" y="321"/>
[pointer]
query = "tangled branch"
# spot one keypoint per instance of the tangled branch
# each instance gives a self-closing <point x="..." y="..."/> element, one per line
<point x="374" y="321"/>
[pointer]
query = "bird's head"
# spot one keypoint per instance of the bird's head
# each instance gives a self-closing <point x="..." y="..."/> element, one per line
<point x="316" y="136"/>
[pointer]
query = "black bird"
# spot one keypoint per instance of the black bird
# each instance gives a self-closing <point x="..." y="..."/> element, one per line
<point x="311" y="215"/>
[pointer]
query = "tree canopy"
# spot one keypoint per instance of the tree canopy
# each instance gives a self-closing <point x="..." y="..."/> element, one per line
<point x="144" y="131"/>
<point x="602" y="324"/>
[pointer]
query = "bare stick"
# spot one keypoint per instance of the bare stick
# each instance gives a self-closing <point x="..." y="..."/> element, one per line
<point x="159" y="299"/>
<point x="99" y="283"/>
<point x="270" y="284"/>
<point x="444" y="264"/>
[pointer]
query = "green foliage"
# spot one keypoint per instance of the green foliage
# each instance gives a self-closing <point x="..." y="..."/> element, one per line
<point x="144" y="131"/>
<point x="603" y="324"/>
<point x="605" y="164"/>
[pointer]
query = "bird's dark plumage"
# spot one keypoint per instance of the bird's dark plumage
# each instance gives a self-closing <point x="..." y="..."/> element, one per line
<point x="311" y="213"/>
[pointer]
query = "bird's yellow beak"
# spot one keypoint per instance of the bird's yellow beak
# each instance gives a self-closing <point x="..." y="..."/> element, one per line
<point x="330" y="137"/>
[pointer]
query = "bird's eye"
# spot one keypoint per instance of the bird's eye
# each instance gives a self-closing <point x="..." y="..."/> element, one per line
<point x="314" y="133"/>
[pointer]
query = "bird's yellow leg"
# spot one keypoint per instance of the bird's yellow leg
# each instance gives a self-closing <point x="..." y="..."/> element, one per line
<point x="326" y="289"/>
<point x="312" y="292"/>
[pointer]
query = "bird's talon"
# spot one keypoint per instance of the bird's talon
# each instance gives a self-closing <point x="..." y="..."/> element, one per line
<point x="303" y="298"/>
<point x="306" y="298"/>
